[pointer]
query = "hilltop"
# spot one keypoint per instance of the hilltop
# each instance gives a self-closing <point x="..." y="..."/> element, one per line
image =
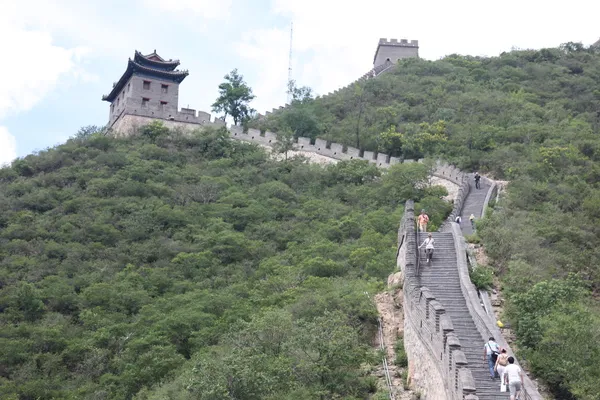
<point x="161" y="265"/>
<point x="531" y="117"/>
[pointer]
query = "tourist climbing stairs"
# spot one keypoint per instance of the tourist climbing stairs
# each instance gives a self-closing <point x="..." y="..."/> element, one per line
<point x="442" y="278"/>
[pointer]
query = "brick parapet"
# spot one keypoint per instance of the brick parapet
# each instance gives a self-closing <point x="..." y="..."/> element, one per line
<point x="135" y="106"/>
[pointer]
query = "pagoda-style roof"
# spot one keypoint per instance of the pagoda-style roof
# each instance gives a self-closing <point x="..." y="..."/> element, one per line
<point x="151" y="65"/>
<point x="153" y="60"/>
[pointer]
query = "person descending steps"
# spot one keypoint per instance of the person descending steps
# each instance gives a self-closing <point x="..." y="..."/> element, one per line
<point x="428" y="243"/>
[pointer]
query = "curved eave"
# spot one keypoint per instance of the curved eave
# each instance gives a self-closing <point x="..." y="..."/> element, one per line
<point x="140" y="59"/>
<point x="133" y="67"/>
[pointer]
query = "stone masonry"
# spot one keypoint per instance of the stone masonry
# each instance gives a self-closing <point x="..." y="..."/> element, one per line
<point x="393" y="50"/>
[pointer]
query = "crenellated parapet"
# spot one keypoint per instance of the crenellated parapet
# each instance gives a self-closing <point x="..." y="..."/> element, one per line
<point x="322" y="147"/>
<point x="134" y="106"/>
<point x="400" y="43"/>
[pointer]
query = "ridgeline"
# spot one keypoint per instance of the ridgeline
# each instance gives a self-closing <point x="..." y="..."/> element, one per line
<point x="531" y="117"/>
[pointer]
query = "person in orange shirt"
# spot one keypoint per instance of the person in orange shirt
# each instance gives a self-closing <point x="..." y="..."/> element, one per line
<point x="423" y="220"/>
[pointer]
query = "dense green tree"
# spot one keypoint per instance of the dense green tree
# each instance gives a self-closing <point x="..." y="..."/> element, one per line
<point x="234" y="98"/>
<point x="285" y="143"/>
<point x="300" y="95"/>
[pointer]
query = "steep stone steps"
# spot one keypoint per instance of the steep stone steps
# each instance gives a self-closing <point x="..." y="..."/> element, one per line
<point x="442" y="278"/>
<point x="473" y="204"/>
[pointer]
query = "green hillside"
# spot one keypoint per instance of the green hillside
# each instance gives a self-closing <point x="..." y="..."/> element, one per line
<point x="173" y="267"/>
<point x="531" y="117"/>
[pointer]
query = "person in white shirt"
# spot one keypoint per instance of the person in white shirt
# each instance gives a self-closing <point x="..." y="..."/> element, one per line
<point x="490" y="352"/>
<point x="428" y="243"/>
<point x="513" y="377"/>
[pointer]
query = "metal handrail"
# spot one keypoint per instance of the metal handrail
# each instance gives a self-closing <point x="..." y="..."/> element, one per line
<point x="388" y="378"/>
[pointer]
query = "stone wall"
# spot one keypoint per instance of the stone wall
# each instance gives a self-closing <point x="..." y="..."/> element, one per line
<point x="438" y="366"/>
<point x="134" y="90"/>
<point x="333" y="150"/>
<point x="453" y="174"/>
<point x="372" y="73"/>
<point x="128" y="124"/>
<point x="393" y="50"/>
<point x="133" y="118"/>
<point x="134" y="106"/>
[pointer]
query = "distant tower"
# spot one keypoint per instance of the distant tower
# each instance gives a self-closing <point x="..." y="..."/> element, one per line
<point x="394" y="50"/>
<point x="149" y="83"/>
<point x="289" y="95"/>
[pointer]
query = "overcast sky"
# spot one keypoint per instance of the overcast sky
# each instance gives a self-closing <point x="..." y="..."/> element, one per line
<point x="61" y="56"/>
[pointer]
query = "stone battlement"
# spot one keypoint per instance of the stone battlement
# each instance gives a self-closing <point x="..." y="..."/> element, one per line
<point x="401" y="42"/>
<point x="188" y="120"/>
<point x="134" y="107"/>
<point x="322" y="147"/>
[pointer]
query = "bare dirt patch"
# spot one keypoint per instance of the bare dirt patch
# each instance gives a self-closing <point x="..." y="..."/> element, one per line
<point x="389" y="307"/>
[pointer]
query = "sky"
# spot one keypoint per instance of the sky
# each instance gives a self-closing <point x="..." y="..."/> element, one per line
<point x="61" y="56"/>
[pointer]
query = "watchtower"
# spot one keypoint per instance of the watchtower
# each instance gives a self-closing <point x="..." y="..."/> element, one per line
<point x="149" y="83"/>
<point x="394" y="50"/>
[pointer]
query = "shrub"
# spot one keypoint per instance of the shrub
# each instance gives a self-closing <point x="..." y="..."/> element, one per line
<point x="482" y="277"/>
<point x="474" y="238"/>
<point x="401" y="356"/>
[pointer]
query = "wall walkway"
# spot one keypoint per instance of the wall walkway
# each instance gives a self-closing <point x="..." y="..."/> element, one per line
<point x="443" y="312"/>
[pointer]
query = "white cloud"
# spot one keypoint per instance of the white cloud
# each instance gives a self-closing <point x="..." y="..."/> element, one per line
<point x="40" y="65"/>
<point x="8" y="146"/>
<point x="208" y="9"/>
<point x="266" y="49"/>
<point x="335" y="40"/>
<point x="37" y="64"/>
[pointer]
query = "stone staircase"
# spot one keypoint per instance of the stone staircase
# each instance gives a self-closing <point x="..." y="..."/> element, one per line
<point x="473" y="204"/>
<point x="442" y="279"/>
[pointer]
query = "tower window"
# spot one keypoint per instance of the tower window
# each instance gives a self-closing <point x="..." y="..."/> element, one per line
<point x="112" y="108"/>
<point x="129" y="86"/>
<point x="164" y="88"/>
<point x="145" y="102"/>
<point x="162" y="105"/>
<point x="118" y="101"/>
<point x="146" y="85"/>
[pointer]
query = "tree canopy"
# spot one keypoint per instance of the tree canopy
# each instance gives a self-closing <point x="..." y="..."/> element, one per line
<point x="234" y="98"/>
<point x="172" y="266"/>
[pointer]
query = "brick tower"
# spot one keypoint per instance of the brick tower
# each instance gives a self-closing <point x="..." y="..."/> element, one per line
<point x="149" y="83"/>
<point x="394" y="50"/>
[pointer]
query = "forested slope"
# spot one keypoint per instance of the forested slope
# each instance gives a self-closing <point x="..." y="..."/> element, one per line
<point x="167" y="266"/>
<point x="531" y="117"/>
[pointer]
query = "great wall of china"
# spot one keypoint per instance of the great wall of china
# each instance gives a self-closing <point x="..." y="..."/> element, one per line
<point x="439" y="337"/>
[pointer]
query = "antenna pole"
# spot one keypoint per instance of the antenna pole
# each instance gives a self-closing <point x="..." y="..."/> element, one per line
<point x="289" y="93"/>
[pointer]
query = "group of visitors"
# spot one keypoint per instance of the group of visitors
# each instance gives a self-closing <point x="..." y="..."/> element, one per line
<point x="502" y="365"/>
<point x="422" y="221"/>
